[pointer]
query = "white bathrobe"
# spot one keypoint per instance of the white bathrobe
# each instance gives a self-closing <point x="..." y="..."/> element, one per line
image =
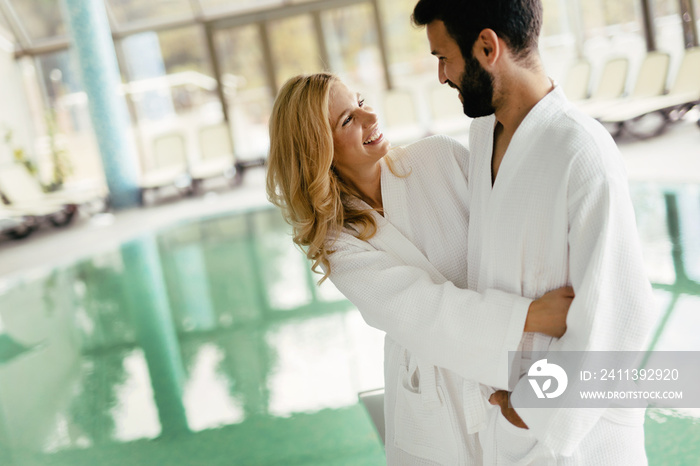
<point x="560" y="213"/>
<point x="416" y="294"/>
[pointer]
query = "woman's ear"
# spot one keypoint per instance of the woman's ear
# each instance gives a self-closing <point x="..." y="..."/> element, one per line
<point x="487" y="48"/>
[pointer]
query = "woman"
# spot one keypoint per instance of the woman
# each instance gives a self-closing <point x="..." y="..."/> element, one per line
<point x="389" y="228"/>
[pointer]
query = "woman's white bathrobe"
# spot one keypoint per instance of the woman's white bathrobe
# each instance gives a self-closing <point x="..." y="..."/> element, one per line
<point x="416" y="294"/>
<point x="560" y="213"/>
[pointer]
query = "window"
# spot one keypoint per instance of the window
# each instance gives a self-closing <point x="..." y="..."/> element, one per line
<point x="351" y="39"/>
<point x="409" y="53"/>
<point x="294" y="47"/>
<point x="127" y="11"/>
<point x="5" y="31"/>
<point x="41" y="19"/>
<point x="67" y="120"/>
<point x="598" y="15"/>
<point x="663" y="8"/>
<point x="221" y="6"/>
<point x="554" y="20"/>
<point x="558" y="41"/>
<point x="171" y="86"/>
<point x="668" y="27"/>
<point x="612" y="29"/>
<point x="246" y="88"/>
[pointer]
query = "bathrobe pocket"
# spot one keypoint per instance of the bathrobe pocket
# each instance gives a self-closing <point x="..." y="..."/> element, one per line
<point x="515" y="446"/>
<point x="423" y="429"/>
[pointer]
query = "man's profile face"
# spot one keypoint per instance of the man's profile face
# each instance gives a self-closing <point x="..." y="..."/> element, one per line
<point x="473" y="82"/>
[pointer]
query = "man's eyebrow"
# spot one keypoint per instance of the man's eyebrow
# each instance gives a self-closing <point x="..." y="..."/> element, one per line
<point x="434" y="52"/>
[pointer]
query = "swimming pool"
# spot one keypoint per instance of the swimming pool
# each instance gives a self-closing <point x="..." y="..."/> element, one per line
<point x="208" y="343"/>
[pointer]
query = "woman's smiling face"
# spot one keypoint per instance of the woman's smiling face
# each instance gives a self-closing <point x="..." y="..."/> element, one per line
<point x="357" y="141"/>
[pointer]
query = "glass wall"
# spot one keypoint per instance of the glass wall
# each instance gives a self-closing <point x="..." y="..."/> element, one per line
<point x="228" y="6"/>
<point x="41" y="19"/>
<point x="5" y="31"/>
<point x="171" y="86"/>
<point x="294" y="48"/>
<point x="67" y="138"/>
<point x="611" y="30"/>
<point x="128" y="11"/>
<point x="696" y="4"/>
<point x="669" y="30"/>
<point x="247" y="89"/>
<point x="351" y="38"/>
<point x="558" y="43"/>
<point x="408" y="47"/>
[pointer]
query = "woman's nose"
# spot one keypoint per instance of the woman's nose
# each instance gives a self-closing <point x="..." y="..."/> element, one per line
<point x="368" y="116"/>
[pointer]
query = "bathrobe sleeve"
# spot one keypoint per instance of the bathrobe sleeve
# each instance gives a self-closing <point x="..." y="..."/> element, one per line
<point x="457" y="329"/>
<point x="612" y="310"/>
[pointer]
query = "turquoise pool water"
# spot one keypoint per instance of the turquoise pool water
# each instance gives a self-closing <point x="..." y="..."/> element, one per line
<point x="208" y="343"/>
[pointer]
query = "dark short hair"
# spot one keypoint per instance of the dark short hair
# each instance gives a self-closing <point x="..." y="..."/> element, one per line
<point x="517" y="22"/>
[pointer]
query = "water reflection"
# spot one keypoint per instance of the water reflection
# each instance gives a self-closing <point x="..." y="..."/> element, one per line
<point x="194" y="328"/>
<point x="669" y="220"/>
<point x="218" y="324"/>
<point x="669" y="223"/>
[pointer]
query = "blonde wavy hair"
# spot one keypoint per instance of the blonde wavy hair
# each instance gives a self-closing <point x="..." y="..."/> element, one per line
<point x="301" y="179"/>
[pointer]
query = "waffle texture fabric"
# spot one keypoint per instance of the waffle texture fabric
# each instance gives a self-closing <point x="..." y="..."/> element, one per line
<point x="409" y="281"/>
<point x="560" y="213"/>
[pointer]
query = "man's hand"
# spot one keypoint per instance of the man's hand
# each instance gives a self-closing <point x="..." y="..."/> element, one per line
<point x="548" y="314"/>
<point x="500" y="398"/>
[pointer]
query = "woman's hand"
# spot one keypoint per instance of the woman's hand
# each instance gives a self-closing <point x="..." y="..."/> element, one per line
<point x="548" y="314"/>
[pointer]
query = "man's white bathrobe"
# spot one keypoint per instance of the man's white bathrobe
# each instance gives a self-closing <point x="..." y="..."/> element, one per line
<point x="559" y="213"/>
<point x="408" y="280"/>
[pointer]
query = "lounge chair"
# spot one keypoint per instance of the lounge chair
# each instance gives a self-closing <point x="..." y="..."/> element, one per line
<point x="169" y="167"/>
<point x="682" y="96"/>
<point x="23" y="192"/>
<point x="650" y="81"/>
<point x="613" y="80"/>
<point x="15" y="224"/>
<point x="611" y="86"/>
<point x="216" y="155"/>
<point x="578" y="81"/>
<point x="20" y="220"/>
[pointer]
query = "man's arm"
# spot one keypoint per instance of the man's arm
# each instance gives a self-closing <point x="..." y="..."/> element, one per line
<point x="457" y="329"/>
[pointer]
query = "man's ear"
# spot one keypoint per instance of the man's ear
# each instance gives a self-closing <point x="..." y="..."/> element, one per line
<point x="487" y="48"/>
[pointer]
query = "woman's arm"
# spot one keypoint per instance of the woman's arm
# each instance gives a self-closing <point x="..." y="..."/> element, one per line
<point x="461" y="330"/>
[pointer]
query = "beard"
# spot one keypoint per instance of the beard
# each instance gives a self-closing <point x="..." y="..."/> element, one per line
<point x="476" y="89"/>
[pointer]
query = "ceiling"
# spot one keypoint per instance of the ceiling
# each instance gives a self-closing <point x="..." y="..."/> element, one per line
<point x="28" y="26"/>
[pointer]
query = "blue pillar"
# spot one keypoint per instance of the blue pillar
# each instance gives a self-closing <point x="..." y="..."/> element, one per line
<point x="150" y="312"/>
<point x="97" y="60"/>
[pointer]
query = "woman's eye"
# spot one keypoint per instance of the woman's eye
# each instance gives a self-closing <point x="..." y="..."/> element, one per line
<point x="360" y="102"/>
<point x="347" y="120"/>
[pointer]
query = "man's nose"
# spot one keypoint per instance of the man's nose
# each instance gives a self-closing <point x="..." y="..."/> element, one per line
<point x="441" y="73"/>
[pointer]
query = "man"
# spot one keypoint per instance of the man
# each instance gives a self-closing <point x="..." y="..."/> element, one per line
<point x="549" y="206"/>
